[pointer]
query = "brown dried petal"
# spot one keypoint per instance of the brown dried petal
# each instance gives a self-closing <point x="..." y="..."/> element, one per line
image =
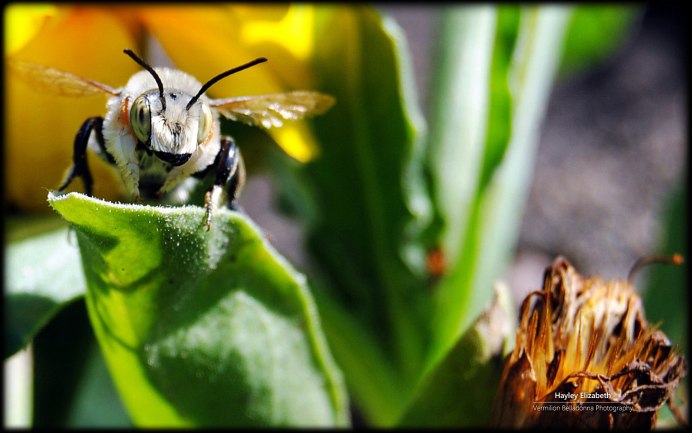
<point x="585" y="357"/>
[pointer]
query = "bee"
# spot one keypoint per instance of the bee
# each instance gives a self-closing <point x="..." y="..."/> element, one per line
<point x="161" y="130"/>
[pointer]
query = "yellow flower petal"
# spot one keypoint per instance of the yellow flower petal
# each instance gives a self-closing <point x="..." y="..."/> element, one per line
<point x="208" y="43"/>
<point x="266" y="12"/>
<point x="41" y="127"/>
<point x="297" y="140"/>
<point x="289" y="42"/>
<point x="22" y="22"/>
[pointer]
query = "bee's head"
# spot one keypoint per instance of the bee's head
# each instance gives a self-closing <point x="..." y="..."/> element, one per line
<point x="169" y="126"/>
<point x="164" y="125"/>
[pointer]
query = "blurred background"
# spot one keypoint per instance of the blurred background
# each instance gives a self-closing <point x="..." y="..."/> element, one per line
<point x="613" y="148"/>
<point x="609" y="180"/>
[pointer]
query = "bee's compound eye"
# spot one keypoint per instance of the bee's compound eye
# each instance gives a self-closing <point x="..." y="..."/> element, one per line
<point x="205" y="121"/>
<point x="140" y="118"/>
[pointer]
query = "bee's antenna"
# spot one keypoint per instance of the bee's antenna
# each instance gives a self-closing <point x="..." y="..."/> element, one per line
<point x="211" y="82"/>
<point x="143" y="64"/>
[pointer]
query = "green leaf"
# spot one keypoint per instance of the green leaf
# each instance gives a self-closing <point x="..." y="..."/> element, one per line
<point x="58" y="364"/>
<point x="42" y="275"/>
<point x="362" y="202"/>
<point x="595" y="32"/>
<point x="460" y="390"/>
<point x="20" y="226"/>
<point x="97" y="403"/>
<point x="666" y="293"/>
<point x="201" y="328"/>
<point x="365" y="208"/>
<point x="666" y="297"/>
<point x="481" y="176"/>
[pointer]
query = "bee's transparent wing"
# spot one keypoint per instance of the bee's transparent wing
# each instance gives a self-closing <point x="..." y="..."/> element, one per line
<point x="44" y="78"/>
<point x="271" y="110"/>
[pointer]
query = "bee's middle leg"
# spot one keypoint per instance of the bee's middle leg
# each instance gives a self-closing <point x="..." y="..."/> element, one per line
<point x="230" y="172"/>
<point x="80" y="167"/>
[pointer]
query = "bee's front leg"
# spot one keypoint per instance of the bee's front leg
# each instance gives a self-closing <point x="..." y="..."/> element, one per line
<point x="79" y="157"/>
<point x="230" y="171"/>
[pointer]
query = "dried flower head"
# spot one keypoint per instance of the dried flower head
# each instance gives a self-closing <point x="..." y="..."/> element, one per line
<point x="586" y="357"/>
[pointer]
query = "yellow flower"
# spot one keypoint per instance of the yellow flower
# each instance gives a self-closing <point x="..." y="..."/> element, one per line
<point x="41" y="127"/>
<point x="585" y="357"/>
<point x="88" y="41"/>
